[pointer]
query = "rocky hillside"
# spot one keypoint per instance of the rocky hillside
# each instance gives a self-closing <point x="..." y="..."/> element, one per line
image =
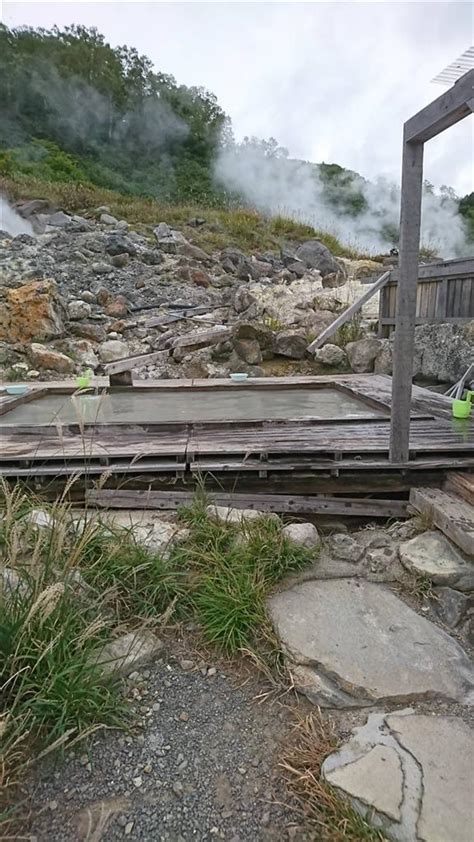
<point x="80" y="291"/>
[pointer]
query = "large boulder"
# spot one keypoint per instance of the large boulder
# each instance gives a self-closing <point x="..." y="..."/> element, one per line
<point x="362" y="354"/>
<point x="44" y="358"/>
<point x="315" y="255"/>
<point x="291" y="345"/>
<point x="446" y="350"/>
<point x="113" y="349"/>
<point x="248" y="350"/>
<point x="31" y="311"/>
<point x="331" y="355"/>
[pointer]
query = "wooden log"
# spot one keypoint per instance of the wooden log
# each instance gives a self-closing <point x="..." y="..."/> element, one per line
<point x="347" y="314"/>
<point x="462" y="485"/>
<point x="451" y="514"/>
<point x="282" y="503"/>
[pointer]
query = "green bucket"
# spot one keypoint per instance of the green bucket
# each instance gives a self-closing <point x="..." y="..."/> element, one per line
<point x="462" y="408"/>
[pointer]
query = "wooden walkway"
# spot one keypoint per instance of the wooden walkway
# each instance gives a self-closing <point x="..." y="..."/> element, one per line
<point x="309" y="447"/>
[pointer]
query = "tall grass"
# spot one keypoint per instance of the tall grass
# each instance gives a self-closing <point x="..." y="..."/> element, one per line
<point x="69" y="584"/>
<point x="241" y="227"/>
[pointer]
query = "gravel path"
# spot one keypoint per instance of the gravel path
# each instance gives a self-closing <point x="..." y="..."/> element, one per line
<point x="202" y="767"/>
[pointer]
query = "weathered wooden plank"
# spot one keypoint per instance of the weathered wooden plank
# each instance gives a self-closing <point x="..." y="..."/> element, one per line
<point x="412" y="183"/>
<point x="347" y="314"/>
<point x="462" y="485"/>
<point x="297" y="504"/>
<point x="127" y="363"/>
<point x="443" y="112"/>
<point x="451" y="514"/>
<point x="207" y="337"/>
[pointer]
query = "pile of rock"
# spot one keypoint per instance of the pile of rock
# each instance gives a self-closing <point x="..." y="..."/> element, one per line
<point x="81" y="292"/>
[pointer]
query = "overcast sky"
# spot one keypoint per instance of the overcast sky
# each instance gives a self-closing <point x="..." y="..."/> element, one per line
<point x="332" y="81"/>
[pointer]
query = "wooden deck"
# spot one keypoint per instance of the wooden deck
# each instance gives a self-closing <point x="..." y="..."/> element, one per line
<point x="336" y="455"/>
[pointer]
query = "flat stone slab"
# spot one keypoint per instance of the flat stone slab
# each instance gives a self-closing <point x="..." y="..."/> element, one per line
<point x="411" y="774"/>
<point x="352" y="643"/>
<point x="432" y="554"/>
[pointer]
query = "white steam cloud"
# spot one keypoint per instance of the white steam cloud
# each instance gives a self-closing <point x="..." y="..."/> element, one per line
<point x="11" y="222"/>
<point x="276" y="184"/>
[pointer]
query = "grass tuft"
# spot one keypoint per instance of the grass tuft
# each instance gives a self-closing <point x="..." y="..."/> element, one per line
<point x="312" y="741"/>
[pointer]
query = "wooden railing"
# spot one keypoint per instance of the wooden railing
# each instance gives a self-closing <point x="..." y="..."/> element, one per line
<point x="445" y="293"/>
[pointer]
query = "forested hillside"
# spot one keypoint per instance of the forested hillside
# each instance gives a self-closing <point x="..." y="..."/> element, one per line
<point x="77" y="111"/>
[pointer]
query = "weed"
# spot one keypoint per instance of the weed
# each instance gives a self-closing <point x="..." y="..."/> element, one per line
<point x="232" y="570"/>
<point x="12" y="375"/>
<point x="312" y="741"/>
<point x="351" y="331"/>
<point x="421" y="586"/>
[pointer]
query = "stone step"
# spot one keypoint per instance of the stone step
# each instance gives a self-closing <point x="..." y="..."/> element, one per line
<point x="449" y="513"/>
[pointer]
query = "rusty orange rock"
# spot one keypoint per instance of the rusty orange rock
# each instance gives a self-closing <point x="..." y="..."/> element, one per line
<point x="32" y="311"/>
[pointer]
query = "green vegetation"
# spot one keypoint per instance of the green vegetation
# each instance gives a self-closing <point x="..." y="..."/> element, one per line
<point x="70" y="584"/>
<point x="239" y="226"/>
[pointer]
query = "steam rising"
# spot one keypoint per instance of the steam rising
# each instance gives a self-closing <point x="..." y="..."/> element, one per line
<point x="11" y="222"/>
<point x="279" y="185"/>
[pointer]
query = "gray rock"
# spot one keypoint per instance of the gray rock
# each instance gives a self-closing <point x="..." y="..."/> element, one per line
<point x="113" y="349"/>
<point x="58" y="219"/>
<point x="451" y="606"/>
<point x="343" y="547"/>
<point x="362" y="354"/>
<point x="446" y="350"/>
<point x="351" y="643"/>
<point x="261" y="334"/>
<point x="383" y="363"/>
<point x="87" y="295"/>
<point x="315" y="255"/>
<point x="225" y="514"/>
<point x="101" y="268"/>
<point x="108" y="219"/>
<point x="248" y="350"/>
<point x="127" y="652"/>
<point x="116" y="244"/>
<point x="410" y="775"/>
<point x="290" y="345"/>
<point x="331" y="355"/>
<point x="432" y="554"/>
<point x="79" y="309"/>
<point x="303" y="535"/>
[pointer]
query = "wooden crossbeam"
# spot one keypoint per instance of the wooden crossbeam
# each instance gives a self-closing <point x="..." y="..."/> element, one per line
<point x="347" y="314"/>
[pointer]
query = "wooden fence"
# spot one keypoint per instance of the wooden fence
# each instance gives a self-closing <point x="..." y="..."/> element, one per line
<point x="445" y="293"/>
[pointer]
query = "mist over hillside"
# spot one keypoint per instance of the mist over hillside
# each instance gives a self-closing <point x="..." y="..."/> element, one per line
<point x="78" y="111"/>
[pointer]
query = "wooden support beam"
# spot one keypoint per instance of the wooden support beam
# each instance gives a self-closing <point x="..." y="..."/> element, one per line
<point x="451" y="514"/>
<point x="347" y="314"/>
<point x="412" y="185"/>
<point x="282" y="503"/>
<point x="443" y="112"/>
<point x="127" y="363"/>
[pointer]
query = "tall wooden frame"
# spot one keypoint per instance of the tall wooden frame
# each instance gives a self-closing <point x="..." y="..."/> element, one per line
<point x="448" y="109"/>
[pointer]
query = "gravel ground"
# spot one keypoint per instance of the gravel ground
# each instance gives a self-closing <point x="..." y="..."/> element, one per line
<point x="202" y="766"/>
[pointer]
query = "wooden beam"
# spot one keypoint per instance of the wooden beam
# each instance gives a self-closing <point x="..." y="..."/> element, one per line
<point x="449" y="513"/>
<point x="347" y="314"/>
<point x="462" y="485"/>
<point x="283" y="503"/>
<point x="443" y="112"/>
<point x="412" y="185"/>
<point x="127" y="363"/>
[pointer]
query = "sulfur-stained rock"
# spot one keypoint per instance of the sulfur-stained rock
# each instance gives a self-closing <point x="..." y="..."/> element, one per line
<point x="31" y="311"/>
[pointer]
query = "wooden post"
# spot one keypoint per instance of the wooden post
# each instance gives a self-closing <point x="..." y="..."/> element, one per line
<point x="410" y="220"/>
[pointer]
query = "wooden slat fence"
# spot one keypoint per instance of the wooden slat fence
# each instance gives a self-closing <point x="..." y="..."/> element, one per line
<point x="445" y="293"/>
